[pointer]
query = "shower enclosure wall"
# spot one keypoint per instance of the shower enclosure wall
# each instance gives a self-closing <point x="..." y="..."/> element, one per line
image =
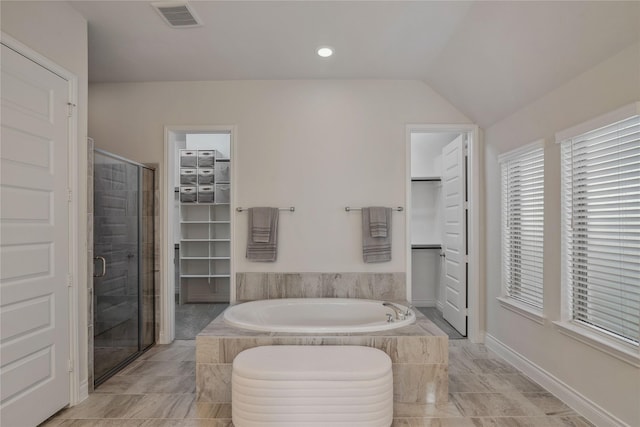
<point x="123" y="286"/>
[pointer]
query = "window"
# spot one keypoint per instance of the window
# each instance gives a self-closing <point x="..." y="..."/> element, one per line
<point x="601" y="227"/>
<point x="523" y="224"/>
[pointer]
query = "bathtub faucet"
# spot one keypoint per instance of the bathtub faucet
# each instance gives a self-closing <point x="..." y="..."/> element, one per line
<point x="400" y="315"/>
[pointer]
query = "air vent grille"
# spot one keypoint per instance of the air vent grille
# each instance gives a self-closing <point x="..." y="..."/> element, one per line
<point x="177" y="15"/>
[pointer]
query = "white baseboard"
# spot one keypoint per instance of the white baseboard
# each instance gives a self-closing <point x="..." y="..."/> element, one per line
<point x="563" y="391"/>
<point x="423" y="302"/>
<point x="440" y="305"/>
<point x="84" y="391"/>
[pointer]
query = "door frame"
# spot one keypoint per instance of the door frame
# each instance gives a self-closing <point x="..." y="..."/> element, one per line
<point x="475" y="284"/>
<point x="167" y="274"/>
<point x="78" y="338"/>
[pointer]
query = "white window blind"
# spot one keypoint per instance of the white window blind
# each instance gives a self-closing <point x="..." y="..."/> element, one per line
<point x="523" y="223"/>
<point x="601" y="228"/>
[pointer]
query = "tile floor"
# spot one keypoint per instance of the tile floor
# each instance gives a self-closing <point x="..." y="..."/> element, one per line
<point x="158" y="390"/>
<point x="435" y="316"/>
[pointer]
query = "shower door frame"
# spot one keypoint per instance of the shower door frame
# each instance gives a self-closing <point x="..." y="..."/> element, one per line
<point x="112" y="371"/>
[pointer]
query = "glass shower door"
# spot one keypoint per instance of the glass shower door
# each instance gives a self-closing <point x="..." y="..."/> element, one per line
<point x="117" y="223"/>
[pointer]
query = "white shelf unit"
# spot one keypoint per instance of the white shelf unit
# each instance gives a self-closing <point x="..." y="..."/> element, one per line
<point x="205" y="252"/>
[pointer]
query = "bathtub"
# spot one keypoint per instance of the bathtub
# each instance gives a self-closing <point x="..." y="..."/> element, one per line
<point x="316" y="315"/>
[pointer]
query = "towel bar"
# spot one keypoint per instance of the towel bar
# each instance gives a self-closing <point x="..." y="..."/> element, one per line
<point x="349" y="209"/>
<point x="290" y="209"/>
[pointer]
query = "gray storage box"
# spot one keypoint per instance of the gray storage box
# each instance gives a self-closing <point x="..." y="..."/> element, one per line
<point x="188" y="158"/>
<point x="223" y="193"/>
<point x="188" y="176"/>
<point x="205" y="194"/>
<point x="188" y="194"/>
<point x="206" y="158"/>
<point x="205" y="176"/>
<point x="222" y="172"/>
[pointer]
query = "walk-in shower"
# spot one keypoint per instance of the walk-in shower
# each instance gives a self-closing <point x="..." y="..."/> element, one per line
<point x="123" y="285"/>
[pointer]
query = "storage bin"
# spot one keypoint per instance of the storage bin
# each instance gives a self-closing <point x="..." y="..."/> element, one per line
<point x="206" y="158"/>
<point x="205" y="194"/>
<point x="188" y="158"/>
<point x="188" y="194"/>
<point x="205" y="176"/>
<point x="223" y="193"/>
<point x="188" y="177"/>
<point x="222" y="172"/>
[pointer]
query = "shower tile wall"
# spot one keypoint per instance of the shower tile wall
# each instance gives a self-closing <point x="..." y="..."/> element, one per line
<point x="383" y="286"/>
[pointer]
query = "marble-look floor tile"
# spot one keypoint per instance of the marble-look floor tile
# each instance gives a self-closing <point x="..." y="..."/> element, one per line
<point x="433" y="422"/>
<point x="494" y="405"/>
<point x="139" y="384"/>
<point x="549" y="404"/>
<point x="160" y="406"/>
<point x="100" y="405"/>
<point x="210" y="410"/>
<point x="513" y="400"/>
<point x="161" y="368"/>
<point x="486" y="383"/>
<point x="574" y="421"/>
<point x="417" y="410"/>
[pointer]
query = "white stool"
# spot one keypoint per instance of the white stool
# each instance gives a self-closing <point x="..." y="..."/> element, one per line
<point x="300" y="386"/>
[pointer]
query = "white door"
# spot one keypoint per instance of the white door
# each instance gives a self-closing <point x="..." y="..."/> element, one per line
<point x="454" y="244"/>
<point x="34" y="242"/>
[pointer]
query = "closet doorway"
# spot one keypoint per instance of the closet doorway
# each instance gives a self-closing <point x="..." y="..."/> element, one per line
<point x="198" y="207"/>
<point x="441" y="226"/>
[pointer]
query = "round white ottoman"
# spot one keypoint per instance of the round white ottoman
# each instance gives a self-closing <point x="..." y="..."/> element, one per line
<point x="316" y="386"/>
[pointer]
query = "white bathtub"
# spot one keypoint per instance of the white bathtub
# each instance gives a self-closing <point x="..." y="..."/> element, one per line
<point x="316" y="315"/>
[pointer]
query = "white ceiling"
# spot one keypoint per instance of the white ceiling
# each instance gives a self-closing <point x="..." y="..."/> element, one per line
<point x="486" y="58"/>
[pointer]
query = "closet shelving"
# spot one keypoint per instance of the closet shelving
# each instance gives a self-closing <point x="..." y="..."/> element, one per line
<point x="205" y="229"/>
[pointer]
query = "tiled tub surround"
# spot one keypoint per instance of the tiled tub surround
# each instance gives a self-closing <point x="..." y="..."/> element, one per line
<point x="419" y="353"/>
<point x="379" y="286"/>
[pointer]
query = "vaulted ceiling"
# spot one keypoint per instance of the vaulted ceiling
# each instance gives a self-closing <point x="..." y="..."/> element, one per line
<point x="487" y="58"/>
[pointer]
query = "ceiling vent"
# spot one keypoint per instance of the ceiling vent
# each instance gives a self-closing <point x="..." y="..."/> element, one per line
<point x="177" y="14"/>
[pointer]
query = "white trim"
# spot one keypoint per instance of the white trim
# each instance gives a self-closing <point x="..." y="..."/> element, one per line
<point x="504" y="157"/>
<point x="475" y="289"/>
<point x="627" y="353"/>
<point x="522" y="309"/>
<point x="424" y="303"/>
<point x="563" y="391"/>
<point x="606" y="119"/>
<point x="78" y="390"/>
<point x="167" y="272"/>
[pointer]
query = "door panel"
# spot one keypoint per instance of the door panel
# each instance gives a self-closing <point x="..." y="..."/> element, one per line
<point x="454" y="309"/>
<point x="34" y="242"/>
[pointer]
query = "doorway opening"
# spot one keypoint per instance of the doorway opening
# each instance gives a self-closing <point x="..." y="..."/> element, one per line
<point x="200" y="228"/>
<point x="442" y="226"/>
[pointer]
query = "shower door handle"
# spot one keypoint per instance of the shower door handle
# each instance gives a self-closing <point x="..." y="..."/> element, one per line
<point x="104" y="267"/>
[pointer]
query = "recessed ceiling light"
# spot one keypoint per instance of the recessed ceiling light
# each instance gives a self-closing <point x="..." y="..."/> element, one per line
<point x="325" y="51"/>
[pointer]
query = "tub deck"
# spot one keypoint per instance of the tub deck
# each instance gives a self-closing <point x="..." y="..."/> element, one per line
<point x="419" y="353"/>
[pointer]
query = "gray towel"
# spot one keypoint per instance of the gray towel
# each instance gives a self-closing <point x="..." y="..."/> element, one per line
<point x="378" y="221"/>
<point x="260" y="220"/>
<point x="375" y="249"/>
<point x="263" y="251"/>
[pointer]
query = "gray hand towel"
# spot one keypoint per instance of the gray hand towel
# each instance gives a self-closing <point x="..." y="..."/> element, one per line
<point x="378" y="221"/>
<point x="260" y="220"/>
<point x="375" y="249"/>
<point x="263" y="251"/>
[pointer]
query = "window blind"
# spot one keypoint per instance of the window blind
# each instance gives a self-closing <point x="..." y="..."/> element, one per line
<point x="523" y="224"/>
<point x="601" y="224"/>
